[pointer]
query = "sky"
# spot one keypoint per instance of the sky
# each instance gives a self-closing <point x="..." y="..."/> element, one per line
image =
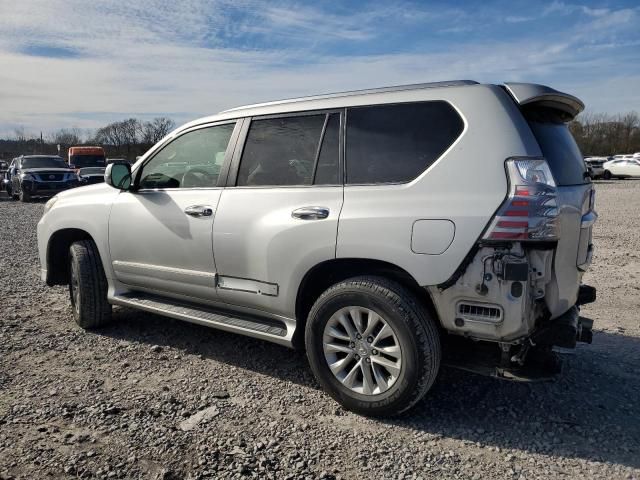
<point x="80" y="63"/>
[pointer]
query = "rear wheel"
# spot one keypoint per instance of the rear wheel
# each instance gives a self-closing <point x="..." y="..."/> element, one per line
<point x="606" y="175"/>
<point x="372" y="346"/>
<point x="88" y="286"/>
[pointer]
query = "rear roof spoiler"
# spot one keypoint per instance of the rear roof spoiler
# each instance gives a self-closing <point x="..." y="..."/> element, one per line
<point x="530" y="94"/>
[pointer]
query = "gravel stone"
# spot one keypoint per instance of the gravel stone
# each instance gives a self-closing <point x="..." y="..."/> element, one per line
<point x="110" y="403"/>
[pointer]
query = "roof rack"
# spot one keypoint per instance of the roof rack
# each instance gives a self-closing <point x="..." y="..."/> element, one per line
<point x="397" y="88"/>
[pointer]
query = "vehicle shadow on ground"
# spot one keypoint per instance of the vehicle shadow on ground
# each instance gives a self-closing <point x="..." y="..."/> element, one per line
<point x="596" y="394"/>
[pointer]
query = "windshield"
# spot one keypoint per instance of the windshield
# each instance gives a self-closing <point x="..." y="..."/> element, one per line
<point x="80" y="161"/>
<point x="92" y="171"/>
<point x="43" y="162"/>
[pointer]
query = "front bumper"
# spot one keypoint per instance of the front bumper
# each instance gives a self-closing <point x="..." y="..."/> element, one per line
<point x="47" y="189"/>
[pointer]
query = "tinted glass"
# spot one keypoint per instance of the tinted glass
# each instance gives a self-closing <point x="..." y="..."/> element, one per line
<point x="561" y="151"/>
<point x="80" y="161"/>
<point x="191" y="160"/>
<point x="43" y="162"/>
<point x="327" y="169"/>
<point x="281" y="151"/>
<point x="91" y="171"/>
<point x="396" y="143"/>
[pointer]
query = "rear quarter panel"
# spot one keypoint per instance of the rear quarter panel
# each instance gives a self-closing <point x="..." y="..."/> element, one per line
<point x="465" y="185"/>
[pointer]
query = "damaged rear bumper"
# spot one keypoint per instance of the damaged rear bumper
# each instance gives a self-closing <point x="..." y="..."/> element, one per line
<point x="565" y="331"/>
<point x="533" y="358"/>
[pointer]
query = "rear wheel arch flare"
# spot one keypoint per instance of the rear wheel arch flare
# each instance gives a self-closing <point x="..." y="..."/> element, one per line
<point x="323" y="275"/>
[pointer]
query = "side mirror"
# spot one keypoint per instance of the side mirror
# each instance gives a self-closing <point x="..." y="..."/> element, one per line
<point x="118" y="175"/>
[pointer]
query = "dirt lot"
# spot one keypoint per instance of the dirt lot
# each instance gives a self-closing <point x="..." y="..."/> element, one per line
<point x="154" y="398"/>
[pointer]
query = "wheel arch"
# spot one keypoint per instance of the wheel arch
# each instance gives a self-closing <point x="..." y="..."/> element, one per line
<point x="323" y="275"/>
<point x="58" y="253"/>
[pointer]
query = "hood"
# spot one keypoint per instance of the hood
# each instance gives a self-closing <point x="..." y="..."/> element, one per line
<point x="88" y="190"/>
<point x="48" y="170"/>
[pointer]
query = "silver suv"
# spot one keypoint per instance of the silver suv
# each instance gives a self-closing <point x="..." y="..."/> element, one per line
<point x="386" y="231"/>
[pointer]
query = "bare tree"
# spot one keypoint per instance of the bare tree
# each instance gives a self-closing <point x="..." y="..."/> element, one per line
<point x="67" y="137"/>
<point x="19" y="133"/>
<point x="604" y="134"/>
<point x="156" y="130"/>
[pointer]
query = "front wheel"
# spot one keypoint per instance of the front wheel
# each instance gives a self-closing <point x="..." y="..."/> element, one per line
<point x="372" y="346"/>
<point x="88" y="286"/>
<point x="607" y="175"/>
<point x="24" y="196"/>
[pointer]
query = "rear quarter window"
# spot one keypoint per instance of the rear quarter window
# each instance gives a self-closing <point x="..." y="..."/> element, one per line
<point x="396" y="143"/>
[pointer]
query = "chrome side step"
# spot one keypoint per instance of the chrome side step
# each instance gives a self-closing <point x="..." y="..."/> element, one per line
<point x="267" y="329"/>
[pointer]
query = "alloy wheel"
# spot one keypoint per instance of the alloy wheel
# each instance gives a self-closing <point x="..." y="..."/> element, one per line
<point x="362" y="350"/>
<point x="75" y="288"/>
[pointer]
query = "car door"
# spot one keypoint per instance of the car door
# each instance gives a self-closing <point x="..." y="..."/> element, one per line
<point x="617" y="167"/>
<point x="160" y="234"/>
<point x="632" y="168"/>
<point x="278" y="216"/>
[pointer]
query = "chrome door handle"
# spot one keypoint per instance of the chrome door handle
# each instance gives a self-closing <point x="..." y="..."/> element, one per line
<point x="310" y="213"/>
<point x="199" y="211"/>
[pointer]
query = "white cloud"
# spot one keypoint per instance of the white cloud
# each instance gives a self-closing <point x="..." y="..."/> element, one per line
<point x="154" y="57"/>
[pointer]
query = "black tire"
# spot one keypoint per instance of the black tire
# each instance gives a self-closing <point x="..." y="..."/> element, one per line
<point x="606" y="175"/>
<point x="415" y="330"/>
<point x="89" y="283"/>
<point x="24" y="196"/>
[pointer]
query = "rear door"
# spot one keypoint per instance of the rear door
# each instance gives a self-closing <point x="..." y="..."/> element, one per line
<point x="278" y="216"/>
<point x="631" y="168"/>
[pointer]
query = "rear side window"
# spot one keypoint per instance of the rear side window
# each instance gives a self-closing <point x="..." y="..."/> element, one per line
<point x="291" y="151"/>
<point x="396" y="143"/>
<point x="327" y="169"/>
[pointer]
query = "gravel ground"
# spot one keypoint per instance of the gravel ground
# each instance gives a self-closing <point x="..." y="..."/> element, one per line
<point x="150" y="397"/>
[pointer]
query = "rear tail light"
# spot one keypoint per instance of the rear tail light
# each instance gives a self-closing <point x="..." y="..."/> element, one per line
<point x="530" y="211"/>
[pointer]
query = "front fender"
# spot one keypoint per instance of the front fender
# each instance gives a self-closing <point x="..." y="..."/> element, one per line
<point x="84" y="209"/>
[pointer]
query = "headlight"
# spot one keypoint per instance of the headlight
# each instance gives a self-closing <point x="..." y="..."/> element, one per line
<point x="50" y="203"/>
<point x="28" y="177"/>
<point x="71" y="176"/>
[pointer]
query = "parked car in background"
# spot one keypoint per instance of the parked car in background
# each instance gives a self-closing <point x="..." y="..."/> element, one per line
<point x="39" y="176"/>
<point x="86" y="156"/>
<point x="117" y="159"/>
<point x="4" y="166"/>
<point x="595" y="166"/>
<point x="356" y="225"/>
<point x="626" y="167"/>
<point x="91" y="175"/>
<point x="626" y="156"/>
